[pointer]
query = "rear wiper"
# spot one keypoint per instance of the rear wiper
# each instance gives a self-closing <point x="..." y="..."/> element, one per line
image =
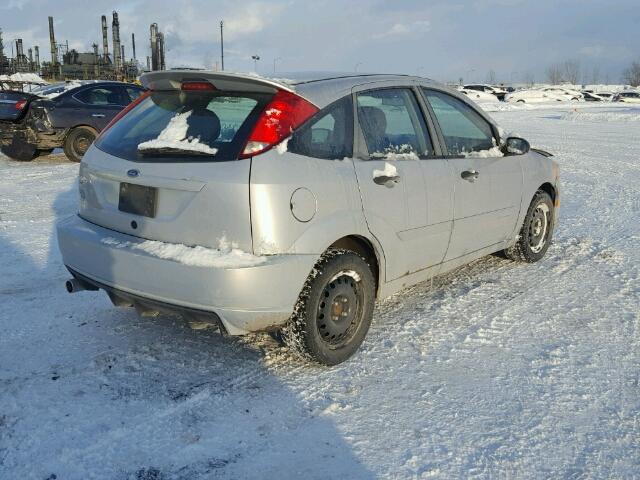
<point x="173" y="151"/>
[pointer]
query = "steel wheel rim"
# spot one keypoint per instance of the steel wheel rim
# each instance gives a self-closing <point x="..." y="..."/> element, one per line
<point x="539" y="227"/>
<point x="81" y="144"/>
<point x="340" y="309"/>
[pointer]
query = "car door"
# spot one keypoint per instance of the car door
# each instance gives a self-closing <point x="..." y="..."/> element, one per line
<point x="98" y="105"/>
<point x="393" y="143"/>
<point x="487" y="185"/>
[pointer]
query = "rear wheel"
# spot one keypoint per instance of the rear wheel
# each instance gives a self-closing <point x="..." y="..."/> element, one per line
<point x="537" y="229"/>
<point x="334" y="309"/>
<point x="20" y="150"/>
<point x="78" y="142"/>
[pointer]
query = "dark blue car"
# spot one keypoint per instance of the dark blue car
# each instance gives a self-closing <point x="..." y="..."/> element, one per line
<point x="66" y="115"/>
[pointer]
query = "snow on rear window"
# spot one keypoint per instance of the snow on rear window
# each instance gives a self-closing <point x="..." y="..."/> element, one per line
<point x="174" y="136"/>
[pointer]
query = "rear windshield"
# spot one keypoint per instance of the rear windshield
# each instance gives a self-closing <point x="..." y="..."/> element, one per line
<point x="182" y="126"/>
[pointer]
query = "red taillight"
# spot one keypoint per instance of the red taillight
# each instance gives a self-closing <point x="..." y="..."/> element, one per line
<point x="21" y="104"/>
<point x="286" y="112"/>
<point x="124" y="111"/>
<point x="197" y="86"/>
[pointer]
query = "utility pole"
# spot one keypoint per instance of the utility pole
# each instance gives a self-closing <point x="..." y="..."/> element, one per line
<point x="255" y="59"/>
<point x="221" y="45"/>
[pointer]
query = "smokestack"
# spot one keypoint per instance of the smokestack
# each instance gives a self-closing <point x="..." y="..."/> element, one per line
<point x="30" y="55"/>
<point x="117" y="52"/>
<point x="161" y="50"/>
<point x="52" y="40"/>
<point x="133" y="44"/>
<point x="19" y="51"/>
<point x="148" y="63"/>
<point x="105" y="39"/>
<point x="37" y="56"/>
<point x="154" y="46"/>
<point x="124" y="61"/>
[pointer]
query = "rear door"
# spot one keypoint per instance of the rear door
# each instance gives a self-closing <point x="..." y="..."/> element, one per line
<point x="487" y="185"/>
<point x="169" y="169"/>
<point x="395" y="170"/>
<point x="98" y="105"/>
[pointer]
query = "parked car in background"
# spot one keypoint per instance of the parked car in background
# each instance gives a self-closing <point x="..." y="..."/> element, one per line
<point x="534" y="95"/>
<point x="480" y="96"/>
<point x="258" y="205"/>
<point x="499" y="92"/>
<point x="66" y="115"/>
<point x="564" y="93"/>
<point x="628" y="96"/>
<point x="591" y="97"/>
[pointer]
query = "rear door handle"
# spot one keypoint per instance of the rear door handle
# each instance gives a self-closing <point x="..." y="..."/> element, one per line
<point x="470" y="175"/>
<point x="97" y="115"/>
<point x="387" y="181"/>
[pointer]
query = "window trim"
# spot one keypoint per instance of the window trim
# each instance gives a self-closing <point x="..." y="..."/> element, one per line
<point x="362" y="151"/>
<point x="441" y="139"/>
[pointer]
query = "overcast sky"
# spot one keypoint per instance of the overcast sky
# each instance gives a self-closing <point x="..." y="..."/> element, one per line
<point x="440" y="39"/>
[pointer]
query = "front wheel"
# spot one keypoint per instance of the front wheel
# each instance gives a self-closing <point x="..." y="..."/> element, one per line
<point x="78" y="142"/>
<point x="537" y="229"/>
<point x="334" y="309"/>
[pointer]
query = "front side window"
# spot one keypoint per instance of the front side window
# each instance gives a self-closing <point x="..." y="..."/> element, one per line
<point x="463" y="128"/>
<point x="392" y="123"/>
<point x="329" y="134"/>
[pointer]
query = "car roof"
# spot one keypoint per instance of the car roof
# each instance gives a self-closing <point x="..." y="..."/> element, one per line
<point x="321" y="88"/>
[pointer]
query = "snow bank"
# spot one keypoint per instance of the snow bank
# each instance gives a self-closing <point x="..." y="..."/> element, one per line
<point x="227" y="255"/>
<point x="626" y="115"/>
<point x="174" y="136"/>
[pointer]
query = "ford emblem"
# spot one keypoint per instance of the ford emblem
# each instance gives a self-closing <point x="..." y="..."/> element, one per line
<point x="133" y="173"/>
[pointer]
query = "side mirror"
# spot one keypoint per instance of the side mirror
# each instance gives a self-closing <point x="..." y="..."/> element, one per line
<point x="516" y="146"/>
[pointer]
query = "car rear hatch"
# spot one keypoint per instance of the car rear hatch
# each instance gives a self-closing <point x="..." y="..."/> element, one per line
<point x="175" y="166"/>
<point x="13" y="105"/>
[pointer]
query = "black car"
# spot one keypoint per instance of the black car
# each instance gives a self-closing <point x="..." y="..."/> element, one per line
<point x="67" y="115"/>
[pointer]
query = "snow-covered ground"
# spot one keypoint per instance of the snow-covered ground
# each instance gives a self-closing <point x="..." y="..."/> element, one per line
<point x="498" y="370"/>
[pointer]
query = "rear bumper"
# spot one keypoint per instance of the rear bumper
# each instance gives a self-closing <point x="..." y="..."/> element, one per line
<point x="246" y="299"/>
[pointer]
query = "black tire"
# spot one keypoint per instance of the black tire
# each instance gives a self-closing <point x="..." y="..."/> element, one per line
<point x="334" y="309"/>
<point x="78" y="142"/>
<point x="20" y="150"/>
<point x="535" y="236"/>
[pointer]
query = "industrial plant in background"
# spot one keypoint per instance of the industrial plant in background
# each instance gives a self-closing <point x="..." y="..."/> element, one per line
<point x="69" y="64"/>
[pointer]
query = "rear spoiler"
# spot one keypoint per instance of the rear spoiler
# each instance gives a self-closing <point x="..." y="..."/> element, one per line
<point x="237" y="82"/>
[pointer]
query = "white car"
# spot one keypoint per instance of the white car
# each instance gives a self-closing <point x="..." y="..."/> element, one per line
<point x="480" y="97"/>
<point x="478" y="87"/>
<point x="534" y="95"/>
<point x="565" y="93"/>
<point x="628" y="96"/>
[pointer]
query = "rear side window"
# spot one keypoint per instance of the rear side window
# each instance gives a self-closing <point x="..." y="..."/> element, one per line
<point x="103" y="96"/>
<point x="176" y="126"/>
<point x="463" y="128"/>
<point x="392" y="123"/>
<point x="134" y="93"/>
<point x="328" y="134"/>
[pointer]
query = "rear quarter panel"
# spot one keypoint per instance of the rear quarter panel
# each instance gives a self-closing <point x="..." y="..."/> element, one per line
<point x="332" y="183"/>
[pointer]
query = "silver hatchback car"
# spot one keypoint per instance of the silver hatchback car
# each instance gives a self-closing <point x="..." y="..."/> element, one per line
<point x="292" y="204"/>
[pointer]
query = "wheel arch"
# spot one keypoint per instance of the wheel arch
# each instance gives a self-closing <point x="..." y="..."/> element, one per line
<point x="364" y="247"/>
<point x="550" y="189"/>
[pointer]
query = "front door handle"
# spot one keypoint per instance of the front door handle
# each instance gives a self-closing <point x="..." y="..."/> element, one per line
<point x="388" y="181"/>
<point x="97" y="115"/>
<point x="470" y="175"/>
